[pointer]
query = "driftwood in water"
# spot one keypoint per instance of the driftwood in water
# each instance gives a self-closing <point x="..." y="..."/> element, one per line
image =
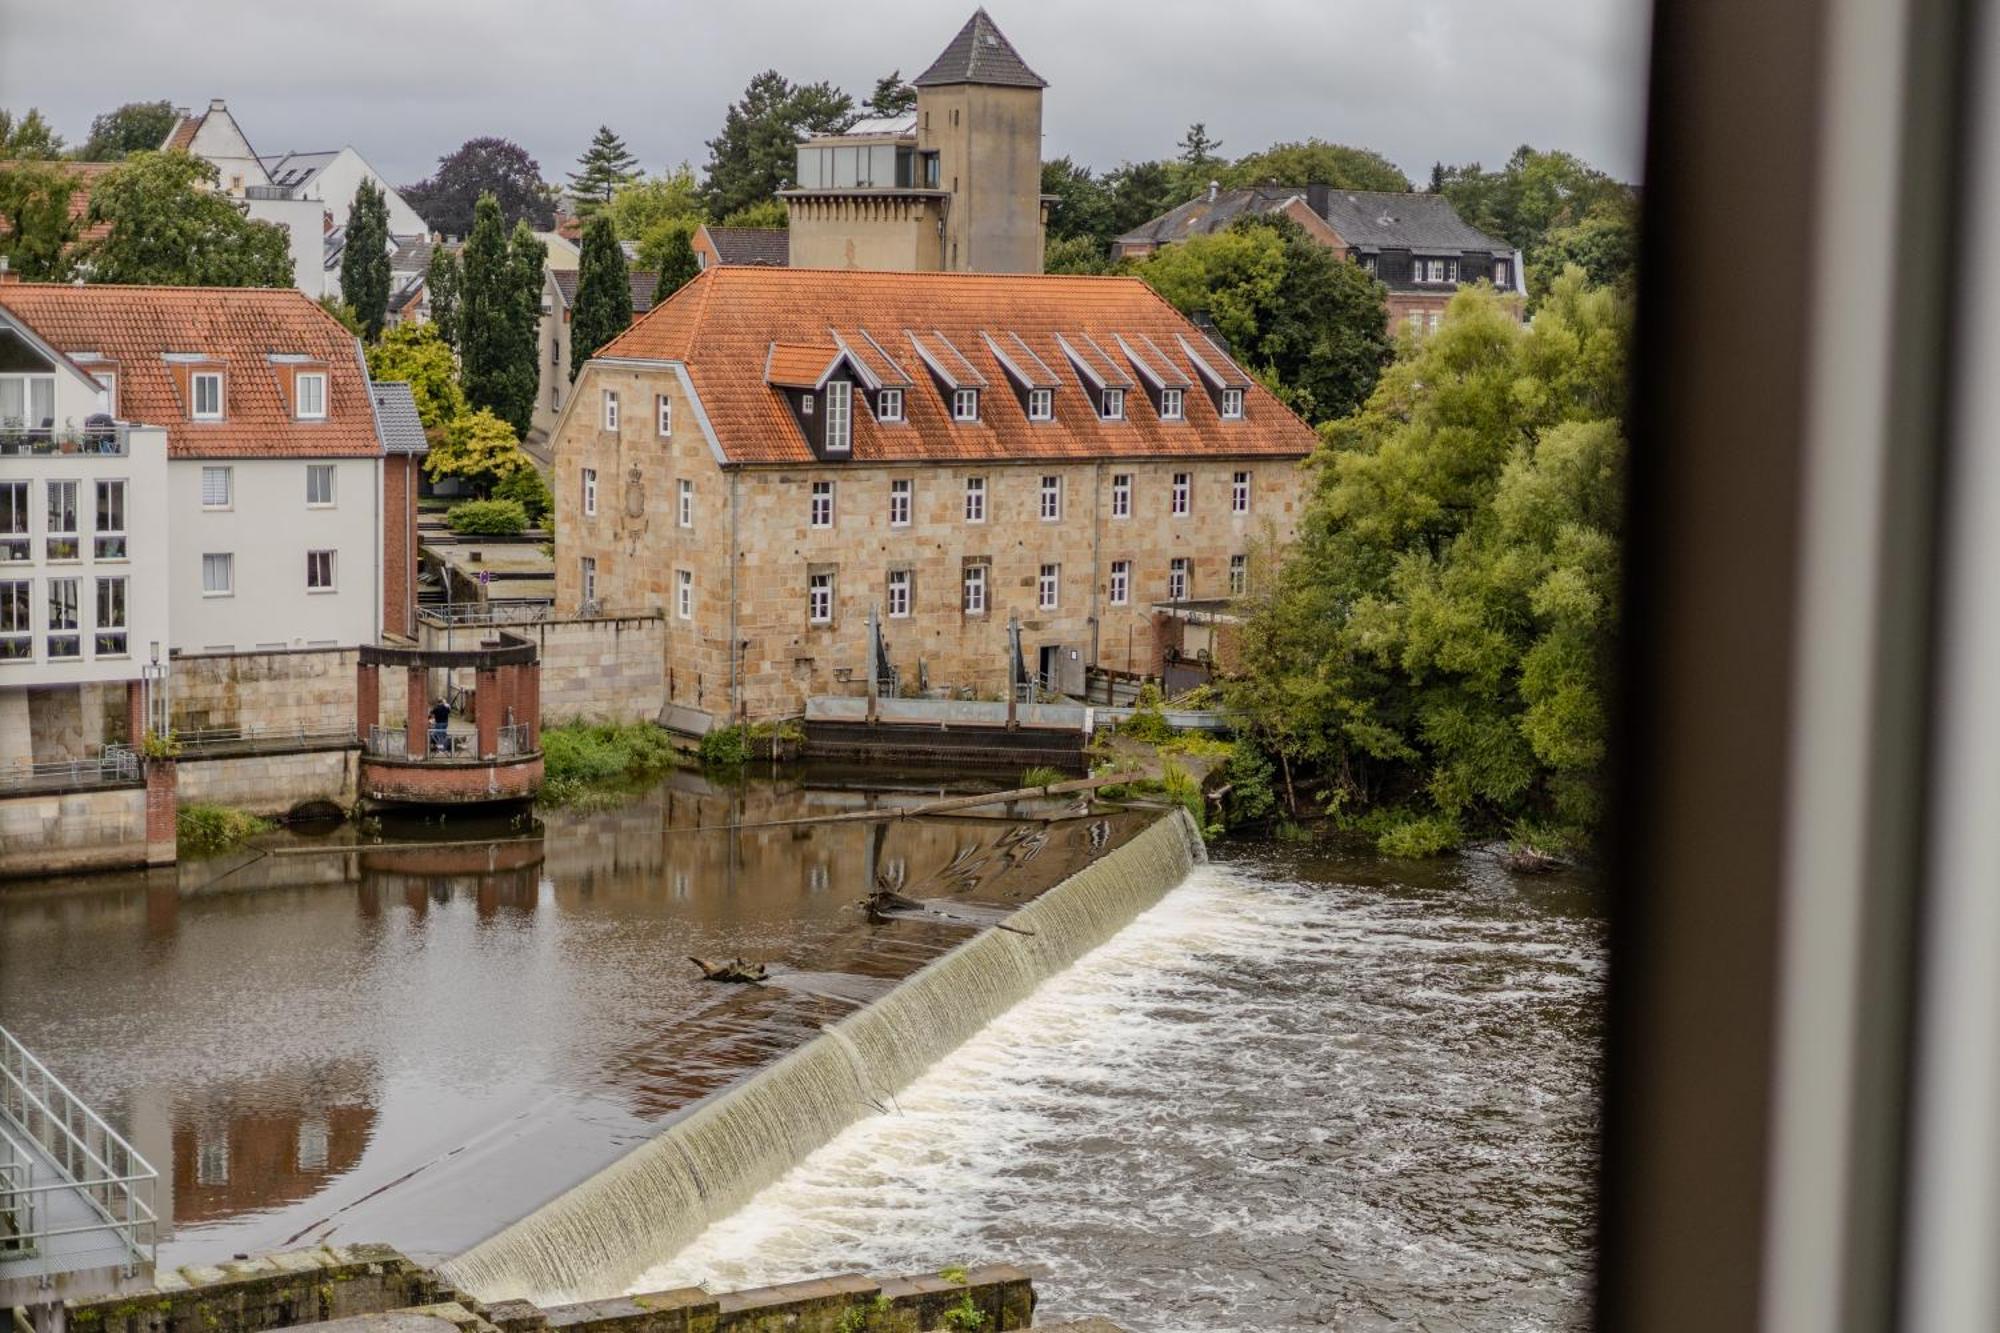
<point x="735" y="970"/>
<point x="1529" y="861"/>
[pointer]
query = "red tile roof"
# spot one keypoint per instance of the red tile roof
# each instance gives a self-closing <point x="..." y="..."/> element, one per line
<point x="722" y="326"/>
<point x="799" y="365"/>
<point x="181" y="138"/>
<point x="242" y="328"/>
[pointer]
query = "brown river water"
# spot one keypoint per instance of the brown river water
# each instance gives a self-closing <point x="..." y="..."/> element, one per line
<point x="1305" y="1090"/>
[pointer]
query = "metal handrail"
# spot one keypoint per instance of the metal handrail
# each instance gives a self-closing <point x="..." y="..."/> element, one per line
<point x="108" y="1176"/>
<point x="263" y="734"/>
<point x="116" y="764"/>
<point x="486" y="613"/>
<point x="394" y="743"/>
<point x="18" y="440"/>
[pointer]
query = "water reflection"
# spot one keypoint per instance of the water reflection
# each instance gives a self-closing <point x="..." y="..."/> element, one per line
<point x="416" y="1043"/>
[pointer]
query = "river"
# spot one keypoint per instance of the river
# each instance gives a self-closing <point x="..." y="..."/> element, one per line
<point x="1305" y="1090"/>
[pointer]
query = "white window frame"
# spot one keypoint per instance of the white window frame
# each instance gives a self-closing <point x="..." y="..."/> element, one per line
<point x="72" y="532"/>
<point x="1239" y="493"/>
<point x="665" y="407"/>
<point x="684" y="593"/>
<point x="328" y="559"/>
<point x="1051" y="502"/>
<point x="972" y="585"/>
<point x="819" y="599"/>
<point x="107" y="382"/>
<point x="1121" y="495"/>
<point x="839" y="417"/>
<point x="17" y="607"/>
<point x="889" y="405"/>
<point x="102" y="532"/>
<point x="965" y="404"/>
<point x="1121" y="582"/>
<point x="226" y="477"/>
<point x="1048" y="587"/>
<point x="686" y="502"/>
<point x="611" y="409"/>
<point x="820" y="513"/>
<point x="305" y="411"/>
<point x="1172" y="404"/>
<point x="1232" y="404"/>
<point x="1177" y="579"/>
<point x="225" y="561"/>
<point x="113" y="599"/>
<point x="63" y="640"/>
<point x="902" y="501"/>
<point x="1182" y="503"/>
<point x="899" y="594"/>
<point x="1111" y="405"/>
<point x="975" y="499"/>
<point x="1239" y="575"/>
<point x="16" y="541"/>
<point x="325" y="470"/>
<point x="195" y="382"/>
<point x="1041" y="404"/>
<point x="590" y="492"/>
<point x="587" y="565"/>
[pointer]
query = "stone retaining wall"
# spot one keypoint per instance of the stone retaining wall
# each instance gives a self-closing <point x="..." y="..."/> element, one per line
<point x="94" y="829"/>
<point x="307" y="687"/>
<point x="271" y="784"/>
<point x="602" y="669"/>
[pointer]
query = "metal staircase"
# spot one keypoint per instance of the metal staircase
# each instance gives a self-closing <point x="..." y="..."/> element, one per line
<point x="76" y="1200"/>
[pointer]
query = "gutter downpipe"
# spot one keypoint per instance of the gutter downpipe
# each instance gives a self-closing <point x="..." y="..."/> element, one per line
<point x="735" y="560"/>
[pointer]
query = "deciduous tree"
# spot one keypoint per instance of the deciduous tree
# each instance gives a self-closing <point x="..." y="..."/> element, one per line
<point x="364" y="260"/>
<point x="1317" y="162"/>
<point x="1534" y="195"/>
<point x="603" y="308"/>
<point x="479" y="167"/>
<point x="30" y="136"/>
<point x="755" y="155"/>
<point x="36" y="231"/>
<point x="167" y="224"/>
<point x="418" y="355"/>
<point x="604" y="168"/>
<point x="642" y="205"/>
<point x="763" y="213"/>
<point x="480" y="449"/>
<point x="135" y="127"/>
<point x="669" y="251"/>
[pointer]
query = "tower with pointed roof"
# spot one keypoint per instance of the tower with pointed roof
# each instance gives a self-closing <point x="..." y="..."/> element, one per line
<point x="955" y="186"/>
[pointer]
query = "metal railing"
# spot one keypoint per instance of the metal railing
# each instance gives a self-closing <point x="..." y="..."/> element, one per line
<point x="260" y="736"/>
<point x="514" y="739"/>
<point x="92" y="1163"/>
<point x="486" y="613"/>
<point x="394" y="743"/>
<point x="22" y="441"/>
<point x="116" y="765"/>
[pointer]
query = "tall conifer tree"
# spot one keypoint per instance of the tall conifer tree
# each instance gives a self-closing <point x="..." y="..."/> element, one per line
<point x="603" y="293"/>
<point x="364" y="262"/>
<point x="604" y="166"/>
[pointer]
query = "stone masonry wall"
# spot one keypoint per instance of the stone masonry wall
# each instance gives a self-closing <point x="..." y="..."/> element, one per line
<point x="596" y="669"/>
<point x="85" y="830"/>
<point x="270" y="784"/>
<point x="310" y="688"/>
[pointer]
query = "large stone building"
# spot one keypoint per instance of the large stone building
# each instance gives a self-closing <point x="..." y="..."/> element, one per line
<point x="954" y="186"/>
<point x="774" y="453"/>
<point x="1416" y="245"/>
<point x="553" y="358"/>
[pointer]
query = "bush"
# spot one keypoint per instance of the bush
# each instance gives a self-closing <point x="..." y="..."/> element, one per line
<point x="1412" y="836"/>
<point x="487" y="518"/>
<point x="1247" y="775"/>
<point x="1148" y="725"/>
<point x="526" y="487"/>
<point x="582" y="755"/>
<point x="1041" y="775"/>
<point x="725" y="747"/>
<point x="204" y="829"/>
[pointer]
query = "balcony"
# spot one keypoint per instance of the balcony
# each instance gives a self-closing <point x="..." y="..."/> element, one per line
<point x="23" y="441"/>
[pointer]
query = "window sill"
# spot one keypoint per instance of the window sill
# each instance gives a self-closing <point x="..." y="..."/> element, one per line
<point x="328" y="505"/>
<point x="321" y="592"/>
<point x="206" y="593"/>
<point x="218" y="509"/>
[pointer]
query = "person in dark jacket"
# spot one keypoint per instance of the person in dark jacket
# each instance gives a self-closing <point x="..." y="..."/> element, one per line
<point x="440" y="722"/>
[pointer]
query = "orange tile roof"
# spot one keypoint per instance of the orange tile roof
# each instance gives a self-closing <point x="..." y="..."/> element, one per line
<point x="799" y="365"/>
<point x="722" y="326"/>
<point x="240" y="327"/>
<point x="183" y="133"/>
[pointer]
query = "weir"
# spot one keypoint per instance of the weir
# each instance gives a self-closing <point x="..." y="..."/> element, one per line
<point x="598" y="1237"/>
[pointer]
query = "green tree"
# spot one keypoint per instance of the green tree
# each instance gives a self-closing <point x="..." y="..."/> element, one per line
<point x="763" y="213"/>
<point x="343" y="312"/>
<point x="444" y="279"/>
<point x="669" y="251"/>
<point x="1082" y="204"/>
<point x="485" y="313"/>
<point x="755" y="155"/>
<point x="1317" y="162"/>
<point x="1074" y="254"/>
<point x="1534" y="195"/>
<point x="446" y="200"/>
<point x="603" y="307"/>
<point x="1141" y="191"/>
<point x="1312" y="326"/>
<point x="527" y="268"/>
<point x="478" y="448"/>
<point x="1432" y="647"/>
<point x="166" y="224"/>
<point x="1199" y="153"/>
<point x="605" y="167"/>
<point x="37" y="234"/>
<point x="418" y="355"/>
<point x="135" y="127"/>
<point x="640" y="206"/>
<point x="1604" y="244"/>
<point x="29" y="138"/>
<point x="893" y="96"/>
<point x="364" y="260"/>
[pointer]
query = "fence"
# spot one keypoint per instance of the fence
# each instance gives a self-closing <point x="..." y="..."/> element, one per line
<point x="394" y="743"/>
<point x="276" y="736"/>
<point x="116" y="766"/>
<point x="485" y="613"/>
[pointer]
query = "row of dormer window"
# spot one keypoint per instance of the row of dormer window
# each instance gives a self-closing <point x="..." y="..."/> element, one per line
<point x="1049" y="498"/>
<point x="964" y="402"/>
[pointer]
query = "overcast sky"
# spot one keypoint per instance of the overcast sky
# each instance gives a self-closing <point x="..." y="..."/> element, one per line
<point x="405" y="81"/>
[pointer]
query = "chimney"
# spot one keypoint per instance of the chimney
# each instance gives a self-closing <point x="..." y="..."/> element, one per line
<point x="1213" y="186"/>
<point x="217" y="104"/>
<point x="1317" y="198"/>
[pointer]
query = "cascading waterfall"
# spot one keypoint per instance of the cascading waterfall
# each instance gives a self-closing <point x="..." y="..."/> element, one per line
<point x="598" y="1237"/>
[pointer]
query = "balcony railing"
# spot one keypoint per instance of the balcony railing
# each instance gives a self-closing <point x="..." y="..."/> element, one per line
<point x="115" y="766"/>
<point x="254" y="736"/>
<point x="18" y="440"/>
<point x="394" y="743"/>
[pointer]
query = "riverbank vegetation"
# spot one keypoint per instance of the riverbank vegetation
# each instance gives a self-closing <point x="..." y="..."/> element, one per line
<point x="581" y="759"/>
<point x="202" y="830"/>
<point x="1426" y="666"/>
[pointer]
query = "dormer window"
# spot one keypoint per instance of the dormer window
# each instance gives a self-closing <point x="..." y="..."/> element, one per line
<point x="311" y="395"/>
<point x="1170" y="404"/>
<point x="839" y="416"/>
<point x="1111" y="405"/>
<point x="205" y="391"/>
<point x="889" y="405"/>
<point x="1232" y="404"/>
<point x="1041" y="404"/>
<point x="965" y="404"/>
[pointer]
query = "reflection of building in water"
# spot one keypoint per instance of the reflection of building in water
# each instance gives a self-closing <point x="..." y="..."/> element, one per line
<point x="496" y="875"/>
<point x="253" y="1145"/>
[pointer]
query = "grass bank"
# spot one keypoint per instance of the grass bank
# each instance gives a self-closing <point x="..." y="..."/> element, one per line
<point x="581" y="760"/>
<point x="203" y="830"/>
